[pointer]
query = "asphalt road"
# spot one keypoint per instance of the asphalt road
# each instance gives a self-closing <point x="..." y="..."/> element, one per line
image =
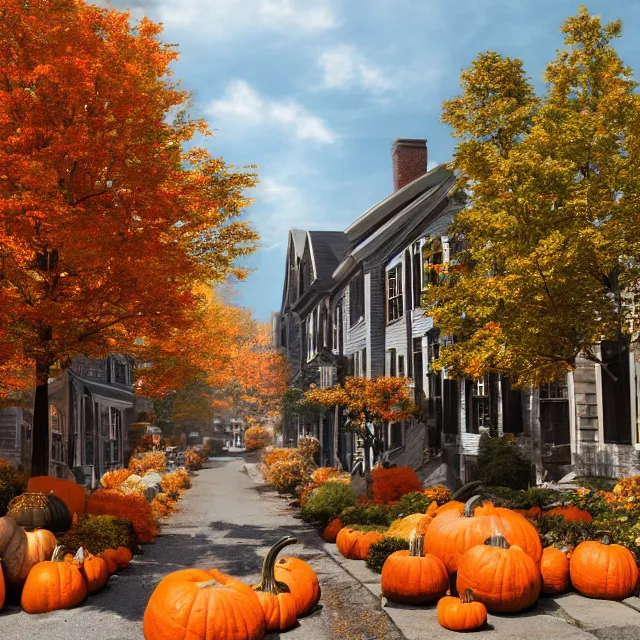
<point x="225" y="522"/>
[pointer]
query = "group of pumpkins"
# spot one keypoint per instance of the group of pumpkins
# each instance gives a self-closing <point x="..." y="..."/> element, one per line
<point x="32" y="561"/>
<point x="491" y="556"/>
<point x="204" y="604"/>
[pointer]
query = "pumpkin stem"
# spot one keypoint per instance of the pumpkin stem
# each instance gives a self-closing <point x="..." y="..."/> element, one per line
<point x="467" y="596"/>
<point x="471" y="504"/>
<point x="416" y="544"/>
<point x="498" y="541"/>
<point x="268" y="582"/>
<point x="58" y="554"/>
<point x="606" y="537"/>
<point x="208" y="583"/>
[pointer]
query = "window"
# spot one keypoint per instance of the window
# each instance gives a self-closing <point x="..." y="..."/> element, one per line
<point x="57" y="448"/>
<point x="356" y="298"/>
<point x="554" y="415"/>
<point x="616" y="393"/>
<point x="401" y="366"/>
<point x="120" y="372"/>
<point x="416" y="265"/>
<point x="394" y="294"/>
<point x="396" y="435"/>
<point x="418" y="371"/>
<point x="310" y="335"/>
<point x="392" y="362"/>
<point x="337" y="328"/>
<point x="480" y="406"/>
<point x="363" y="363"/>
<point x="432" y="262"/>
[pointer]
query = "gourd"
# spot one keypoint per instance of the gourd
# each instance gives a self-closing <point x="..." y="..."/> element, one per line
<point x="278" y="605"/>
<point x="461" y="614"/>
<point x="602" y="569"/>
<point x="203" y="605"/>
<point x="410" y="577"/>
<point x="54" y="584"/>
<point x="302" y="582"/>
<point x="503" y="577"/>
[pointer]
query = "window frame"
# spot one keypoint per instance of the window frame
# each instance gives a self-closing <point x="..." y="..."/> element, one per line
<point x="356" y="299"/>
<point x="395" y="302"/>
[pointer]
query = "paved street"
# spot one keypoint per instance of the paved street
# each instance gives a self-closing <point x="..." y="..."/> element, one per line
<point x="224" y="522"/>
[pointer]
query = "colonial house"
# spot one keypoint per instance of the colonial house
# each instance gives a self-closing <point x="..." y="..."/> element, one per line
<point x="351" y="306"/>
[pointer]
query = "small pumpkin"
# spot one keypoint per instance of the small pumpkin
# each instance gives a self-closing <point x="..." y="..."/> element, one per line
<point x="570" y="513"/>
<point x="93" y="569"/>
<point x="533" y="513"/>
<point x="404" y="527"/>
<point x="275" y="597"/>
<point x="54" y="584"/>
<point x="203" y="605"/>
<point x="110" y="556"/>
<point x="461" y="614"/>
<point x="13" y="548"/>
<point x="40" y="546"/>
<point x="302" y="582"/>
<point x="354" y="543"/>
<point x="602" y="569"/>
<point x="410" y="577"/>
<point x="554" y="569"/>
<point x="123" y="557"/>
<point x="40" y="511"/>
<point x="331" y="530"/>
<point x="454" y="531"/>
<point x="503" y="577"/>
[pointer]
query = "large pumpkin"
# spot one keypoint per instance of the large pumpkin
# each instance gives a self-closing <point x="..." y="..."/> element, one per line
<point x="40" y="511"/>
<point x="278" y="605"/>
<point x="569" y="513"/>
<point x="332" y="529"/>
<point x="554" y="568"/>
<point x="461" y="614"/>
<point x="13" y="548"/>
<point x="302" y="582"/>
<point x="454" y="531"/>
<point x="410" y="577"/>
<point x="603" y="570"/>
<point x="40" y="546"/>
<point x="203" y="605"/>
<point x="355" y="544"/>
<point x="53" y="585"/>
<point x="505" y="579"/>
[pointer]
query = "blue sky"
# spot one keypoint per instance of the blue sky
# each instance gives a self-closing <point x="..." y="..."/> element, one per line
<point x="315" y="91"/>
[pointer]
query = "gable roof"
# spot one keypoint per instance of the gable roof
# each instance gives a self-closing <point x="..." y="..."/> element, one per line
<point x="327" y="249"/>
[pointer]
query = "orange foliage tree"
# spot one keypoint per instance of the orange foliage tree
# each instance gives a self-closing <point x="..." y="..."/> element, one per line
<point x="106" y="220"/>
<point x="369" y="404"/>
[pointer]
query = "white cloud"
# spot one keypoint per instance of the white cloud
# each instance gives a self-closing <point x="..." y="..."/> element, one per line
<point x="343" y="66"/>
<point x="432" y="164"/>
<point x="243" y="104"/>
<point x="226" y="18"/>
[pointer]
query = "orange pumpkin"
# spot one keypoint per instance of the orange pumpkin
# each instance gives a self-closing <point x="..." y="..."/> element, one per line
<point x="461" y="614"/>
<point x="93" y="569"/>
<point x="2" y="589"/>
<point x="452" y="505"/>
<point x="456" y="530"/>
<point x="569" y="513"/>
<point x="123" y="557"/>
<point x="53" y="585"/>
<point x="13" y="548"/>
<point x="302" y="582"/>
<point x="355" y="544"/>
<point x="110" y="556"/>
<point x="331" y="530"/>
<point x="410" y="577"/>
<point x="533" y="513"/>
<point x="505" y="579"/>
<point x="603" y="570"/>
<point x="203" y="605"/>
<point x="554" y="568"/>
<point x="40" y="546"/>
<point x="278" y="605"/>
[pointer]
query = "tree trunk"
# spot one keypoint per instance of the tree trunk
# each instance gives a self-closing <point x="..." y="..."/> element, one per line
<point x="40" y="434"/>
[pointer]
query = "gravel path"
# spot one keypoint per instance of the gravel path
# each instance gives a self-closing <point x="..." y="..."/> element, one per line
<point x="227" y="523"/>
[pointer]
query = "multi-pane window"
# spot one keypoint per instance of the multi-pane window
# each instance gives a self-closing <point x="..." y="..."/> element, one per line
<point x="356" y="298"/>
<point x="480" y="405"/>
<point x="394" y="293"/>
<point x="555" y="390"/>
<point x="120" y="372"/>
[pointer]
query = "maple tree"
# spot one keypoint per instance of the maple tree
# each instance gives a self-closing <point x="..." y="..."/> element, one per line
<point x="369" y="404"/>
<point x="551" y="234"/>
<point x="107" y="219"/>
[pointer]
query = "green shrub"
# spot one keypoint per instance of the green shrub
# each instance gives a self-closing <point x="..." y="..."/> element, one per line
<point x="415" y="502"/>
<point x="372" y="514"/>
<point x="556" y="531"/>
<point x="12" y="483"/>
<point x="501" y="463"/>
<point x="97" y="533"/>
<point x="380" y="551"/>
<point x="521" y="499"/>
<point x="327" y="501"/>
<point x="596" y="483"/>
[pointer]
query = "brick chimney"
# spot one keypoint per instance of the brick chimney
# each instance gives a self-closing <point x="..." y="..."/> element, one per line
<point x="409" y="159"/>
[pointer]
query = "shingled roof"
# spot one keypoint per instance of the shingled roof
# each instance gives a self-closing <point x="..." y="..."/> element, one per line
<point x="328" y="249"/>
